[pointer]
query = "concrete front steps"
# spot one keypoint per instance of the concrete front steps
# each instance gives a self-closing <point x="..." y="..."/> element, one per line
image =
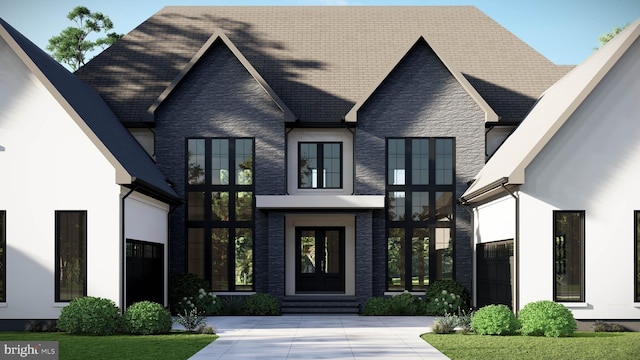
<point x="320" y="304"/>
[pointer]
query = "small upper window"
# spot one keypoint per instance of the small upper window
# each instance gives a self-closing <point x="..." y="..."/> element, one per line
<point x="320" y="165"/>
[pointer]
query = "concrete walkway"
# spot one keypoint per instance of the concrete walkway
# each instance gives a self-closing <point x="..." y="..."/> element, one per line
<point x="319" y="337"/>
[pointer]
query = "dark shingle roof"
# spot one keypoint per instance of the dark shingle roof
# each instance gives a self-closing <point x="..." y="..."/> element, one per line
<point x="321" y="60"/>
<point x="95" y="113"/>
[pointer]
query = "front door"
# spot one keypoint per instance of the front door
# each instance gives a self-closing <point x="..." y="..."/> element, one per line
<point x="320" y="260"/>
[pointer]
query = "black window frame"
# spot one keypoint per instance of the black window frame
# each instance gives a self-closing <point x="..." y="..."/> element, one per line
<point x="3" y="255"/>
<point x="431" y="224"/>
<point x="560" y="268"/>
<point x="58" y="248"/>
<point x="231" y="224"/>
<point x="321" y="159"/>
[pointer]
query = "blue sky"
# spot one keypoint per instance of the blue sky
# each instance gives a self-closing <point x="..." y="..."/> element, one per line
<point x="565" y="31"/>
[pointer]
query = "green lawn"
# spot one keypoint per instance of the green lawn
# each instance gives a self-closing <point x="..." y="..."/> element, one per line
<point x="177" y="345"/>
<point x="584" y="345"/>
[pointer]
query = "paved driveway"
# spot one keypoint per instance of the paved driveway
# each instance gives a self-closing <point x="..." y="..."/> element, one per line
<point x="319" y="337"/>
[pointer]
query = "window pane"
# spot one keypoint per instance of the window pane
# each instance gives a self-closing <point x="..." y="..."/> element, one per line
<point x="444" y="206"/>
<point x="395" y="260"/>
<point x="244" y="259"/>
<point x="244" y="161"/>
<point x="569" y="256"/>
<point x="244" y="206"/>
<point x="396" y="206"/>
<point x="332" y="168"/>
<point x="331" y="252"/>
<point x="420" y="206"/>
<point x="420" y="259"/>
<point x="220" y="206"/>
<point x="195" y="166"/>
<point x="444" y="253"/>
<point x="637" y="272"/>
<point x="195" y="252"/>
<point x="395" y="162"/>
<point x="195" y="206"/>
<point x="220" y="162"/>
<point x="444" y="161"/>
<point x="3" y="256"/>
<point x="420" y="161"/>
<point x="71" y="239"/>
<point x="219" y="259"/>
<point x="308" y="252"/>
<point x="308" y="166"/>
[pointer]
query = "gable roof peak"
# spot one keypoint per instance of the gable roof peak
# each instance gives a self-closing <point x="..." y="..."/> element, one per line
<point x="218" y="35"/>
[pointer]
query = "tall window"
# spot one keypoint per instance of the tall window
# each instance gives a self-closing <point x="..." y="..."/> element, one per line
<point x="319" y="165"/>
<point x="568" y="254"/>
<point x="636" y="216"/>
<point x="71" y="255"/>
<point x="220" y="212"/>
<point x="3" y="256"/>
<point x="419" y="203"/>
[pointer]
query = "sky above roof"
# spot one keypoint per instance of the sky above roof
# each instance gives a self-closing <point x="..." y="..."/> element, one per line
<point x="565" y="31"/>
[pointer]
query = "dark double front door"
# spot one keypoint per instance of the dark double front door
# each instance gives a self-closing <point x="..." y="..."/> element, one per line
<point x="320" y="260"/>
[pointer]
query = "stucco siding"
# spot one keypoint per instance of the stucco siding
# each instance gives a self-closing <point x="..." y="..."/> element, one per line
<point x="49" y="164"/>
<point x="591" y="164"/>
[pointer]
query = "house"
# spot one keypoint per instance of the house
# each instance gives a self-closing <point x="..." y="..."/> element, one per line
<point x="83" y="208"/>
<point x="554" y="211"/>
<point x="318" y="151"/>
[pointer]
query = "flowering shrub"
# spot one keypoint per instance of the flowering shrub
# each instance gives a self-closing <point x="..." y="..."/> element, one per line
<point x="442" y="290"/>
<point x="184" y="285"/>
<point x="547" y="318"/>
<point x="204" y="302"/>
<point x="445" y="303"/>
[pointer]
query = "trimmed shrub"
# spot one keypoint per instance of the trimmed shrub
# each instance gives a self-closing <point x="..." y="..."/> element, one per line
<point x="404" y="304"/>
<point x="494" y="320"/>
<point x="90" y="316"/>
<point x="146" y="318"/>
<point x="183" y="286"/>
<point x="440" y="291"/>
<point x="547" y="318"/>
<point x="376" y="305"/>
<point x="260" y="304"/>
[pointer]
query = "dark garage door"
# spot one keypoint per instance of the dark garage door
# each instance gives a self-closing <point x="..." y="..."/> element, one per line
<point x="494" y="270"/>
<point x="145" y="272"/>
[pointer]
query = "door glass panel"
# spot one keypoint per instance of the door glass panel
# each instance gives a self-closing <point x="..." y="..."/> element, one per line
<point x="331" y="252"/>
<point x="308" y="252"/>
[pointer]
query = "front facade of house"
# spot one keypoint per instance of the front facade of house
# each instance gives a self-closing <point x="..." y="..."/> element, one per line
<point x="316" y="163"/>
<point x="561" y="221"/>
<point x="322" y="159"/>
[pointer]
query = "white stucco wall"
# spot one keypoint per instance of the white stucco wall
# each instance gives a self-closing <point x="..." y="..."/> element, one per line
<point x="591" y="164"/>
<point x="146" y="220"/>
<point x="48" y="164"/>
<point x="495" y="221"/>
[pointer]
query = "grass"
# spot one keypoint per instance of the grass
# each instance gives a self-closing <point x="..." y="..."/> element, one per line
<point x="584" y="345"/>
<point x="176" y="345"/>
